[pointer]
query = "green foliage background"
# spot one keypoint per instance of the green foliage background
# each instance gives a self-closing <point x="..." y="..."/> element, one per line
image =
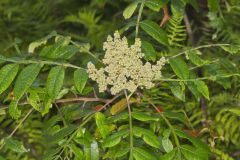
<point x="50" y="110"/>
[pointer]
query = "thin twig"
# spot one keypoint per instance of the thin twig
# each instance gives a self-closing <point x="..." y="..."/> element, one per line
<point x="200" y="47"/>
<point x="139" y="17"/>
<point x="16" y="128"/>
<point x="23" y="61"/>
<point x="70" y="100"/>
<point x="130" y="125"/>
<point x="21" y="122"/>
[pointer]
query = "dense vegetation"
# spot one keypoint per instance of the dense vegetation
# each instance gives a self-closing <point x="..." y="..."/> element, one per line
<point x="51" y="108"/>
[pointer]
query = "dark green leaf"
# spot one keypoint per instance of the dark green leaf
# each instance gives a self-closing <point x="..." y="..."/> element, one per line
<point x="155" y="31"/>
<point x="179" y="67"/>
<point x="149" y="52"/>
<point x="194" y="58"/>
<point x="213" y="5"/>
<point x="115" y="138"/>
<point x="148" y="136"/>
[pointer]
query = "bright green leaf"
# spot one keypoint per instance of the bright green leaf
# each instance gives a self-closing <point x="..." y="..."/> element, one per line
<point x="102" y="124"/>
<point x="167" y="144"/>
<point x="128" y="12"/>
<point x="144" y="117"/>
<point x="13" y="109"/>
<point x="156" y="5"/>
<point x="142" y="154"/>
<point x="15" y="145"/>
<point x="80" y="79"/>
<point x="7" y="75"/>
<point x="202" y="88"/>
<point x="94" y="151"/>
<point x="178" y="89"/>
<point x="55" y="81"/>
<point x="77" y="151"/>
<point x="25" y="79"/>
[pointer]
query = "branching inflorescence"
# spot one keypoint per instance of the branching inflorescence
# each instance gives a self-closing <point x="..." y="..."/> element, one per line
<point x="124" y="68"/>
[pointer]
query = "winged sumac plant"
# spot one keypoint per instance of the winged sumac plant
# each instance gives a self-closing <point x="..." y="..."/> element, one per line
<point x="153" y="96"/>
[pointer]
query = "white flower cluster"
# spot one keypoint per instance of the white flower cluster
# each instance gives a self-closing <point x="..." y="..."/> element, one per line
<point x="123" y="67"/>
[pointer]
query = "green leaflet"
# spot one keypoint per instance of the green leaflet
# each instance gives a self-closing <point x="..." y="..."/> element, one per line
<point x="77" y="151"/>
<point x="194" y="58"/>
<point x="179" y="67"/>
<point x="80" y="79"/>
<point x="156" y="5"/>
<point x="13" y="109"/>
<point x="61" y="134"/>
<point x="2" y="59"/>
<point x="144" y="117"/>
<point x="155" y="31"/>
<point x="149" y="53"/>
<point x="169" y="156"/>
<point x="148" y="136"/>
<point x="202" y="88"/>
<point x="55" y="81"/>
<point x="191" y="153"/>
<point x="7" y="75"/>
<point x="115" y="138"/>
<point x="94" y="150"/>
<point x="50" y="154"/>
<point x="25" y="79"/>
<point x="40" y="42"/>
<point x="102" y="125"/>
<point x="59" y="50"/>
<point x="142" y="154"/>
<point x="178" y="90"/>
<point x="34" y="100"/>
<point x="15" y="145"/>
<point x="167" y="144"/>
<point x="128" y="12"/>
<point x="196" y="142"/>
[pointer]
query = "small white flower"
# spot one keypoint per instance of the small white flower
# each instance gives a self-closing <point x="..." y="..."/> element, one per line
<point x="123" y="67"/>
